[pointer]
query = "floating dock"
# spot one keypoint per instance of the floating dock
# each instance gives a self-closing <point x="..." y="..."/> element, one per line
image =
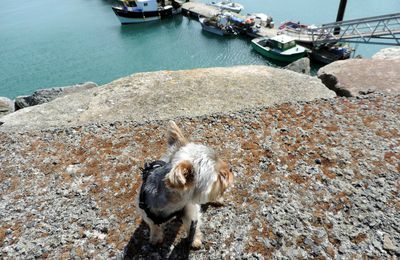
<point x="196" y="10"/>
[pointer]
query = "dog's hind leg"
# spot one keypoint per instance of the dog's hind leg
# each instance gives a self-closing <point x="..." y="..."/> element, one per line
<point x="190" y="219"/>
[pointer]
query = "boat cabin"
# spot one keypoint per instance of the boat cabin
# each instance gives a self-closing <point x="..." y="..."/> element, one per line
<point x="282" y="42"/>
<point x="140" y="5"/>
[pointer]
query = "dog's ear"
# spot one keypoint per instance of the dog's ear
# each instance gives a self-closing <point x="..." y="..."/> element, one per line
<point x="225" y="175"/>
<point x="224" y="181"/>
<point x="175" y="140"/>
<point x="181" y="176"/>
<point x="175" y="136"/>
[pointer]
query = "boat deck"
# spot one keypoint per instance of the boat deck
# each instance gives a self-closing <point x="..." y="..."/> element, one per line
<point x="196" y="10"/>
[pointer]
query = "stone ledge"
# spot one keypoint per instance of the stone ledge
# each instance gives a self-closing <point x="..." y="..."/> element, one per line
<point x="167" y="94"/>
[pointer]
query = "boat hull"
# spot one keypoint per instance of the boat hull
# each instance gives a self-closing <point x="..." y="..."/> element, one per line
<point x="326" y="57"/>
<point x="212" y="29"/>
<point x="231" y="8"/>
<point x="277" y="56"/>
<point x="129" y="17"/>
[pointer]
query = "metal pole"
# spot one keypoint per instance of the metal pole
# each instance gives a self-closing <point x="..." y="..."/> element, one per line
<point x="340" y="15"/>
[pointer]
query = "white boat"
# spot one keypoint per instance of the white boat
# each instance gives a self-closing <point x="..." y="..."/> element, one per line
<point x="262" y="20"/>
<point x="228" y="5"/>
<point x="140" y="11"/>
<point x="218" y="24"/>
<point x="303" y="33"/>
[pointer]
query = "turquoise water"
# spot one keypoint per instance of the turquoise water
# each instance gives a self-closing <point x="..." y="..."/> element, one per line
<point x="46" y="43"/>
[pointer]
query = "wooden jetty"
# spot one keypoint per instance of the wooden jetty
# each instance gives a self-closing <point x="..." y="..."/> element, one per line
<point x="196" y="10"/>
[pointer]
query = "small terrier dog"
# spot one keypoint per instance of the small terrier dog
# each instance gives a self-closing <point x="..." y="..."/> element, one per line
<point x="188" y="175"/>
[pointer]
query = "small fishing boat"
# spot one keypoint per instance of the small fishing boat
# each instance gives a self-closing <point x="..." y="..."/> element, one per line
<point x="303" y="33"/>
<point x="281" y="47"/>
<point x="140" y="11"/>
<point x="329" y="53"/>
<point x="290" y="25"/>
<point x="250" y="24"/>
<point x="228" y="5"/>
<point x="218" y="24"/>
<point x="262" y="20"/>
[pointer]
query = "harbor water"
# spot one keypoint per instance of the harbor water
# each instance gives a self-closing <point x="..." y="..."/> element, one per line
<point x="46" y="43"/>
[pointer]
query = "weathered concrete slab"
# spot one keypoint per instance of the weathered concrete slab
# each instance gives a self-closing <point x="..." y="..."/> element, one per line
<point x="300" y="66"/>
<point x="388" y="54"/>
<point x="6" y="106"/>
<point x="168" y="94"/>
<point x="361" y="76"/>
<point x="42" y="96"/>
<point x="315" y="179"/>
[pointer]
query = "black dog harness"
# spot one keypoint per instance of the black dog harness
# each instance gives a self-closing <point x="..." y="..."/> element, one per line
<point x="146" y="172"/>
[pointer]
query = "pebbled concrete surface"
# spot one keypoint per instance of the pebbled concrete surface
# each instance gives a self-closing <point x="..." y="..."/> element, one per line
<point x="317" y="179"/>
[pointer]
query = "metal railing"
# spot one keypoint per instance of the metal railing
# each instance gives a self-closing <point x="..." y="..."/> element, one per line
<point x="383" y="29"/>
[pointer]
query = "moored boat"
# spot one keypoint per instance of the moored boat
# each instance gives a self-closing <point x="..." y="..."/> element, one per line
<point x="250" y="24"/>
<point x="281" y="48"/>
<point x="289" y="25"/>
<point x="303" y="33"/>
<point x="218" y="24"/>
<point x="329" y="53"/>
<point x="262" y="20"/>
<point x="140" y="11"/>
<point x="228" y="5"/>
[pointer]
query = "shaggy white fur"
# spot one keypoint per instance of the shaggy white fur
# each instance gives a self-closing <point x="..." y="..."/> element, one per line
<point x="197" y="176"/>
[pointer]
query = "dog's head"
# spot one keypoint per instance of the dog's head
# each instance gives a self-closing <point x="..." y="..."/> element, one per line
<point x="196" y="168"/>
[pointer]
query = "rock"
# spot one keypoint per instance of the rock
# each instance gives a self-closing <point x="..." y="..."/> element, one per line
<point x="6" y="106"/>
<point x="300" y="66"/>
<point x="22" y="101"/>
<point x="388" y="54"/>
<point x="362" y="76"/>
<point x="46" y="95"/>
<point x="388" y="244"/>
<point x="166" y="94"/>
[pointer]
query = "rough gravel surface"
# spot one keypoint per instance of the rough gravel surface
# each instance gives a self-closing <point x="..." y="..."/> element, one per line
<point x="313" y="179"/>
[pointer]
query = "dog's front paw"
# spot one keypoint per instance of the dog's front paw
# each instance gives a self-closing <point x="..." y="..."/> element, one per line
<point x="219" y="202"/>
<point x="156" y="239"/>
<point x="196" y="244"/>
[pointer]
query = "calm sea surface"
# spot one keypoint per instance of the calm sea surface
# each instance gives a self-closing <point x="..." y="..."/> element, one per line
<point x="47" y="43"/>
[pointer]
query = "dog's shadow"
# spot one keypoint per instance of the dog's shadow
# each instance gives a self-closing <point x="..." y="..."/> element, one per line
<point x="139" y="247"/>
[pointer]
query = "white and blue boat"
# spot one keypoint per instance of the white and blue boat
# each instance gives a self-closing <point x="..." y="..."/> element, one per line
<point x="140" y="11"/>
<point x="228" y="5"/>
<point x="219" y="24"/>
